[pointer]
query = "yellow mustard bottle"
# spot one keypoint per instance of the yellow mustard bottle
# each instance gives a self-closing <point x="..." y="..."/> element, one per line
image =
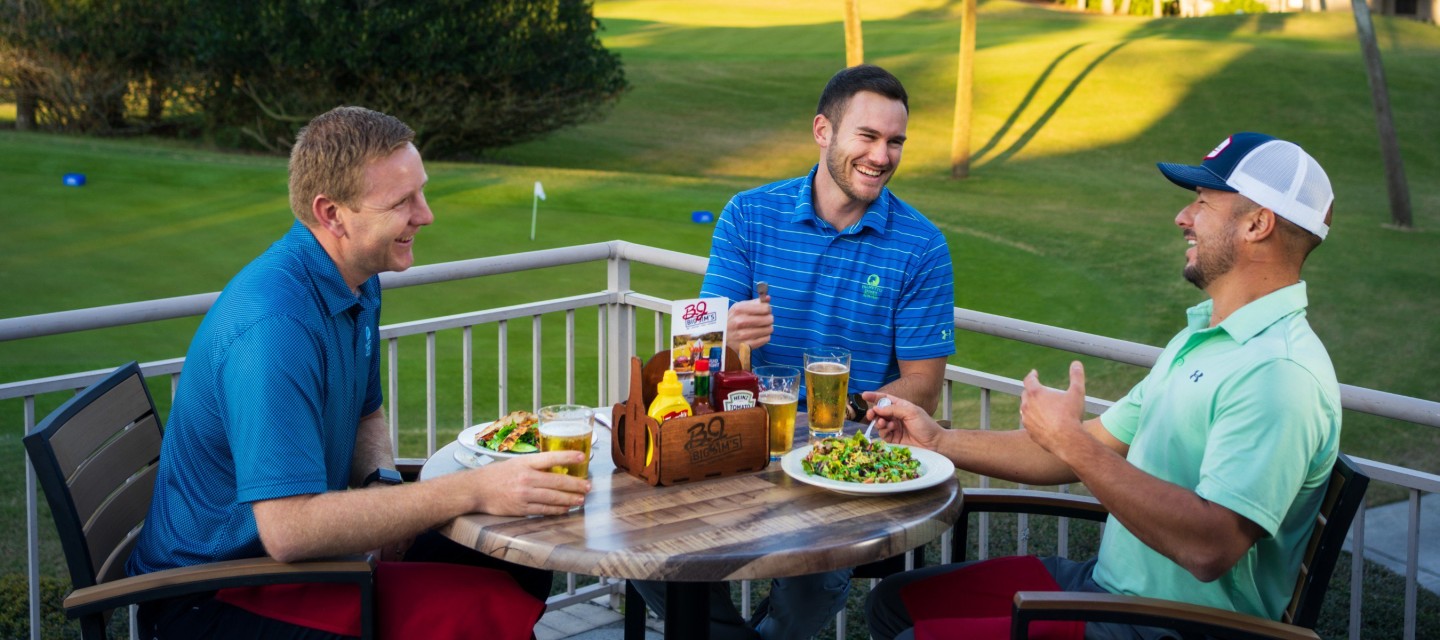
<point x="669" y="403"/>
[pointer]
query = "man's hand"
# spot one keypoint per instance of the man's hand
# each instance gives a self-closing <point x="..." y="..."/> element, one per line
<point x="524" y="486"/>
<point x="902" y="422"/>
<point x="1052" y="416"/>
<point x="750" y="322"/>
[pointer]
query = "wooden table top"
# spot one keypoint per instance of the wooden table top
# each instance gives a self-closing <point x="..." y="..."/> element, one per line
<point x="760" y="525"/>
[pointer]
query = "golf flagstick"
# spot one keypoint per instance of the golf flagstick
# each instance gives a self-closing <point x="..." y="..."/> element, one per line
<point x="535" y="207"/>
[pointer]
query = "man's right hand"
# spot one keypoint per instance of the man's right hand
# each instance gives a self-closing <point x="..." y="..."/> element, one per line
<point x="524" y="485"/>
<point x="902" y="422"/>
<point x="750" y="322"/>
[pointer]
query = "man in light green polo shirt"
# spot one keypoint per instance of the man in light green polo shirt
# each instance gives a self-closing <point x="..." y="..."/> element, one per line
<point x="1213" y="467"/>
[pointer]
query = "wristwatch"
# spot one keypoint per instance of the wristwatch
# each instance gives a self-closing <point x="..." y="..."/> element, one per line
<point x="382" y="476"/>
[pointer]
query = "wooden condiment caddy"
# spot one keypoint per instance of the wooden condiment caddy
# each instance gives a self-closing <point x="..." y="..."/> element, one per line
<point x="685" y="449"/>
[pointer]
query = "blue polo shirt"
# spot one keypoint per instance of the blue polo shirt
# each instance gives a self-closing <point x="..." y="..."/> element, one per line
<point x="276" y="380"/>
<point x="1247" y="415"/>
<point x="882" y="288"/>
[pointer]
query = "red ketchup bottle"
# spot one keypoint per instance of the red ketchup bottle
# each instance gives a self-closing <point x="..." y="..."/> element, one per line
<point x="735" y="390"/>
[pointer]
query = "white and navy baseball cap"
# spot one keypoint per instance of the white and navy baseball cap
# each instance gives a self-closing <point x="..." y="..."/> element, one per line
<point x="1276" y="174"/>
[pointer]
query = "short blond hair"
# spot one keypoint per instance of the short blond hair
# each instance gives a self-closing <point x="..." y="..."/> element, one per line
<point x="332" y="151"/>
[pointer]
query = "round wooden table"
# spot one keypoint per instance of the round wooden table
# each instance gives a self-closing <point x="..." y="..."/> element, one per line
<point x="759" y="525"/>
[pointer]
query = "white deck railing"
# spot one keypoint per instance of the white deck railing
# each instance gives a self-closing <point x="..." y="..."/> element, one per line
<point x="617" y="310"/>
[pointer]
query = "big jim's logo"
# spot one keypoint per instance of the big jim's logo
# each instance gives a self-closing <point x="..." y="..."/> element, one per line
<point x="697" y="314"/>
<point x="707" y="440"/>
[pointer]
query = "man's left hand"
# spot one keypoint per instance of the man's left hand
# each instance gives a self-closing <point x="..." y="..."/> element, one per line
<point x="1052" y="416"/>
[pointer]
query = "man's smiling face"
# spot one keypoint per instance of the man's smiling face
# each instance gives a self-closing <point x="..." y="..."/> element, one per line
<point x="864" y="146"/>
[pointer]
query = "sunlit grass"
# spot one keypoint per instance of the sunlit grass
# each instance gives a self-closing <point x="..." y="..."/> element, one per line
<point x="767" y="13"/>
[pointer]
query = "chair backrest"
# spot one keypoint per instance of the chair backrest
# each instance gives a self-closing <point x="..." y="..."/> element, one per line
<point x="1342" y="498"/>
<point x="96" y="458"/>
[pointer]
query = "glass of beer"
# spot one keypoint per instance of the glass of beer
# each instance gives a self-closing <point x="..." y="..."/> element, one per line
<point x="827" y="380"/>
<point x="567" y="427"/>
<point x="779" y="394"/>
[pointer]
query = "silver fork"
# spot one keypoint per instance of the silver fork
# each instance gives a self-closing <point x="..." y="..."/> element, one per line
<point x="884" y="402"/>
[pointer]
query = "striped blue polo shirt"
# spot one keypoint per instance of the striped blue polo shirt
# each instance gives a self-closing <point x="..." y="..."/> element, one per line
<point x="882" y="288"/>
<point x="276" y="380"/>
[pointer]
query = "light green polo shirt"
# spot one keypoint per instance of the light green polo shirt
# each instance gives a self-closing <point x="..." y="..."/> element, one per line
<point x="1246" y="414"/>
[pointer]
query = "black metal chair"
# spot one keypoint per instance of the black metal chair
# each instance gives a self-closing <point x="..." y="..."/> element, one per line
<point x="1343" y="496"/>
<point x="96" y="458"/>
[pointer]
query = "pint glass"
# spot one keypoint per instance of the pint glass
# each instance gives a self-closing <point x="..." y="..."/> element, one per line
<point x="827" y="380"/>
<point x="567" y="427"/>
<point x="779" y="394"/>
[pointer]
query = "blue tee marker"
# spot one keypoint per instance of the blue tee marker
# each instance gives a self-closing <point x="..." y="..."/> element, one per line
<point x="702" y="217"/>
<point x="74" y="179"/>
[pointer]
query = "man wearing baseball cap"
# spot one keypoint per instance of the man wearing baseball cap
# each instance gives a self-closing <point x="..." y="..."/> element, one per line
<point x="1212" y="467"/>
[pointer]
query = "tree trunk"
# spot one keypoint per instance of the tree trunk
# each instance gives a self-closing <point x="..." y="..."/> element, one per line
<point x="854" y="43"/>
<point x="1384" y="121"/>
<point x="964" y="95"/>
<point x="25" y="106"/>
<point x="154" y="101"/>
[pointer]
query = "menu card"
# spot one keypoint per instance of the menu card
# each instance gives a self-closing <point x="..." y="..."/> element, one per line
<point x="696" y="326"/>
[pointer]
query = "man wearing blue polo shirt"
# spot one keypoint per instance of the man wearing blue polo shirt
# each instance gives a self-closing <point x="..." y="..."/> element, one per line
<point x="278" y="413"/>
<point x="848" y="264"/>
<point x="1213" y="467"/>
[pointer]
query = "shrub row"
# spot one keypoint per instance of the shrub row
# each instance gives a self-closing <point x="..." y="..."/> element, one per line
<point x="468" y="75"/>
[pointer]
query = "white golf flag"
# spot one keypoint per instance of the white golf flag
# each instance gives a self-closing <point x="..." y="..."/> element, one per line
<point x="535" y="207"/>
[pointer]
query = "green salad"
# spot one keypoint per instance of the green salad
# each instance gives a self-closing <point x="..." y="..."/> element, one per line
<point x="514" y="433"/>
<point x="860" y="459"/>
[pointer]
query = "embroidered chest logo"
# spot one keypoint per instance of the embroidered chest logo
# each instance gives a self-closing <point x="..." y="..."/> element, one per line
<point x="1197" y="375"/>
<point x="871" y="289"/>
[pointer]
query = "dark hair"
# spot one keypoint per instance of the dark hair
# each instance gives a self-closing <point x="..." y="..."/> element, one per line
<point x="853" y="80"/>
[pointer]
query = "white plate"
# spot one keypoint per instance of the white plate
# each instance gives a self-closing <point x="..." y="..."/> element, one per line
<point x="934" y="469"/>
<point x="471" y="460"/>
<point x="467" y="438"/>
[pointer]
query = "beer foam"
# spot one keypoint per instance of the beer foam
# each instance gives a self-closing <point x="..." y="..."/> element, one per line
<point x="565" y="428"/>
<point x="827" y="368"/>
<point x="777" y="397"/>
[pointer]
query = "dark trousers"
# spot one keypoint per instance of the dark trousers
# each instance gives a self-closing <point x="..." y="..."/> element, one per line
<point x="201" y="616"/>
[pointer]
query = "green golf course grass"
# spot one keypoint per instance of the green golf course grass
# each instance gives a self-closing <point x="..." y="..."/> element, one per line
<point x="1063" y="221"/>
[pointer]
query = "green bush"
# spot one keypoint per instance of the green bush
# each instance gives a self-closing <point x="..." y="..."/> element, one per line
<point x="78" y="62"/>
<point x="468" y="75"/>
<point x="15" y="608"/>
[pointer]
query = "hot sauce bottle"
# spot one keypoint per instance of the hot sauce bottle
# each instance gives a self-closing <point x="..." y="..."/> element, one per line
<point x="702" y="405"/>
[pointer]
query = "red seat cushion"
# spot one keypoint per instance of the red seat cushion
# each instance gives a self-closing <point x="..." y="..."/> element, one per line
<point x="413" y="600"/>
<point x="976" y="601"/>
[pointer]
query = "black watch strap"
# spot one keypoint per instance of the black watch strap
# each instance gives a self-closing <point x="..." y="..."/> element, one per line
<point x="382" y="476"/>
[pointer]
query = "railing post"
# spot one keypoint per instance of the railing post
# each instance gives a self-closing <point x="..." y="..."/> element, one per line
<point x="621" y="343"/>
<point x="1357" y="569"/>
<point x="32" y="526"/>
